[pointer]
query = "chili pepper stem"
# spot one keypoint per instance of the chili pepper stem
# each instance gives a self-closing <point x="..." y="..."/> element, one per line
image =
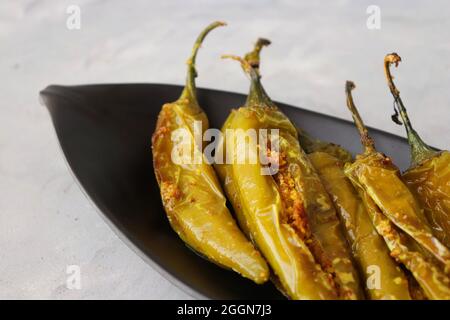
<point x="366" y="140"/>
<point x="253" y="57"/>
<point x="420" y="151"/>
<point x="189" y="91"/>
<point x="250" y="64"/>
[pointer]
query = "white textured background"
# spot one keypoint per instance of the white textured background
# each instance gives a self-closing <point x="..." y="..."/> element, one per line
<point x="46" y="223"/>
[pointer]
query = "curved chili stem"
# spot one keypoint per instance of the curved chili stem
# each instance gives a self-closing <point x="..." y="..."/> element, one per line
<point x="253" y="56"/>
<point x="250" y="64"/>
<point x="420" y="151"/>
<point x="366" y="140"/>
<point x="189" y="91"/>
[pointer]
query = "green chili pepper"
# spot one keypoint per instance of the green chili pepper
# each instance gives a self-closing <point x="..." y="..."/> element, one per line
<point x="381" y="178"/>
<point x="190" y="191"/>
<point x="288" y="215"/>
<point x="311" y="145"/>
<point x="395" y="213"/>
<point x="383" y="276"/>
<point x="428" y="177"/>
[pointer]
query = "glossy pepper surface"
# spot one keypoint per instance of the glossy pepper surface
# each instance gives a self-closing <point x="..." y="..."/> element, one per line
<point x="190" y="191"/>
<point x="395" y="214"/>
<point x="428" y="177"/>
<point x="288" y="214"/>
<point x="381" y="179"/>
<point x="311" y="145"/>
<point x="387" y="281"/>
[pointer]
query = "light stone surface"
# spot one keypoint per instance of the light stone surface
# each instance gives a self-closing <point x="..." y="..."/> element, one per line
<point x="46" y="223"/>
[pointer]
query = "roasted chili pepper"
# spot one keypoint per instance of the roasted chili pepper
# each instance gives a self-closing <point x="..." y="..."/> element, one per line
<point x="190" y="191"/>
<point x="431" y="279"/>
<point x="428" y="177"/>
<point x="395" y="214"/>
<point x="368" y="247"/>
<point x="288" y="214"/>
<point x="381" y="179"/>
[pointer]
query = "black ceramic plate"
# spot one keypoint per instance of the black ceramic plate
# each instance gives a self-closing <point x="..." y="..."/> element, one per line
<point x="104" y="132"/>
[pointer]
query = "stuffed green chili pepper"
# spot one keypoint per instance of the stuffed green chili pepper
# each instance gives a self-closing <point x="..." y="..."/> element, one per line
<point x="428" y="177"/>
<point x="287" y="213"/>
<point x="190" y="191"/>
<point x="381" y="179"/>
<point x="396" y="215"/>
<point x="383" y="276"/>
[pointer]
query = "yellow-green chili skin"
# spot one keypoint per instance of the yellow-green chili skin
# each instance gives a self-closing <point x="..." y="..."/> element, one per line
<point x="381" y="180"/>
<point x="258" y="206"/>
<point x="429" y="174"/>
<point x="395" y="213"/>
<point x="368" y="247"/>
<point x="191" y="193"/>
<point x="327" y="229"/>
<point x="434" y="282"/>
<point x="311" y="144"/>
<point x="430" y="183"/>
<point x="316" y="264"/>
